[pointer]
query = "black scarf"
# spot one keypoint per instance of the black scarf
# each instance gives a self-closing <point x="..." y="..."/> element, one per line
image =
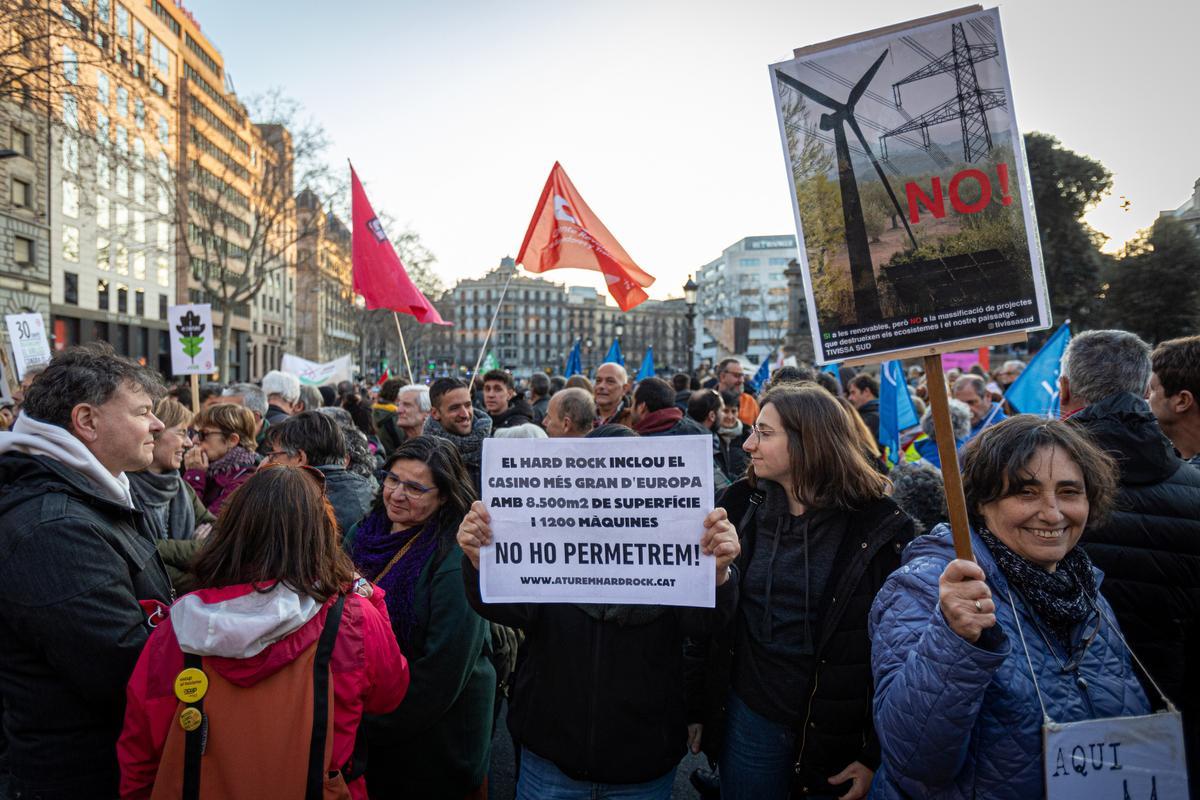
<point x="1063" y="599"/>
<point x="166" y="501"/>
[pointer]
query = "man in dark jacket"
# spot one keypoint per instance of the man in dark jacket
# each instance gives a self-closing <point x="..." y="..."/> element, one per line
<point x="539" y="396"/>
<point x="864" y="395"/>
<point x="655" y="414"/>
<point x="384" y="415"/>
<point x="1175" y="394"/>
<point x="1149" y="548"/>
<point x="506" y="408"/>
<point x="315" y="440"/>
<point x="79" y="574"/>
<point x="453" y="418"/>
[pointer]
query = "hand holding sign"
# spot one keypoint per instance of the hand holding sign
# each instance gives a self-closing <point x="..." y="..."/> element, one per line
<point x="965" y="600"/>
<point x="721" y="540"/>
<point x="475" y="531"/>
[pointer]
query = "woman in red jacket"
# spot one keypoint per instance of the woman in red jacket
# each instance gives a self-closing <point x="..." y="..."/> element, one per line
<point x="276" y="595"/>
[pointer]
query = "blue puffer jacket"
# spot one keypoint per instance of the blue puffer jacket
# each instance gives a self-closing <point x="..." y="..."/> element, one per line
<point x="961" y="720"/>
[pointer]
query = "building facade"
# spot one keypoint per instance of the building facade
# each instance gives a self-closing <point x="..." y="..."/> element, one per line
<point x="746" y="282"/>
<point x="1189" y="212"/>
<point x="540" y="321"/>
<point x="24" y="223"/>
<point x="325" y="312"/>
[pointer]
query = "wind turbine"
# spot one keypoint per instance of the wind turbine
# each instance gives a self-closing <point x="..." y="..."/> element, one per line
<point x="862" y="271"/>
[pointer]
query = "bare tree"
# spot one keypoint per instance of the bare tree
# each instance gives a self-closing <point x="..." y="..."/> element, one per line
<point x="237" y="225"/>
<point x="42" y="46"/>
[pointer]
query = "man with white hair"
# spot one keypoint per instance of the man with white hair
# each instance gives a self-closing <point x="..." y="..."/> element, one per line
<point x="612" y="384"/>
<point x="1008" y="373"/>
<point x="972" y="390"/>
<point x="282" y="390"/>
<point x="412" y="409"/>
<point x="1149" y="546"/>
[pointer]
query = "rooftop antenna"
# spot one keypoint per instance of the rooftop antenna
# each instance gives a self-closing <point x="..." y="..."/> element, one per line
<point x="862" y="271"/>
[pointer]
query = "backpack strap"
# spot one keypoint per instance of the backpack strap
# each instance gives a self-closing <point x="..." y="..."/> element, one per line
<point x="317" y="769"/>
<point x="193" y="742"/>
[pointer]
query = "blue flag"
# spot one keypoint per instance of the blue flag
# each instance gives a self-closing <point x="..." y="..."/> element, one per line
<point x="896" y="412"/>
<point x="1036" y="390"/>
<point x="614" y="354"/>
<point x="763" y="375"/>
<point x="574" y="362"/>
<point x="647" y="369"/>
<point x="836" y="372"/>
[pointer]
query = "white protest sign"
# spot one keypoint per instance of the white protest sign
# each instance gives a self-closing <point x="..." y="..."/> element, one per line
<point x="312" y="373"/>
<point x="1140" y="758"/>
<point x="27" y="332"/>
<point x="191" y="339"/>
<point x="598" y="521"/>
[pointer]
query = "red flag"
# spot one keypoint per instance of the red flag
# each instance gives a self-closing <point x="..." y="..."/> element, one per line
<point x="378" y="274"/>
<point x="565" y="233"/>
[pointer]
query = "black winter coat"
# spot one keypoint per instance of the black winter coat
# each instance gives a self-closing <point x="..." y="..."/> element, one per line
<point x="604" y="701"/>
<point x="838" y="728"/>
<point x="72" y="570"/>
<point x="519" y="412"/>
<point x="1149" y="551"/>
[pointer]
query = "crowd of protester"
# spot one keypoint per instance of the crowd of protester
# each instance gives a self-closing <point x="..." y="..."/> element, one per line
<point x="310" y="555"/>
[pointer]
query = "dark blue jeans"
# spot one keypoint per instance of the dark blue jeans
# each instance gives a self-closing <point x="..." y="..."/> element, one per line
<point x="757" y="756"/>
<point x="540" y="779"/>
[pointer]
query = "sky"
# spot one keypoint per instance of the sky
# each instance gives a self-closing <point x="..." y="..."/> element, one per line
<point x="662" y="112"/>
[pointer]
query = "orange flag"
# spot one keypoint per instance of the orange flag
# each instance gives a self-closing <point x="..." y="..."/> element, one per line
<point x="565" y="233"/>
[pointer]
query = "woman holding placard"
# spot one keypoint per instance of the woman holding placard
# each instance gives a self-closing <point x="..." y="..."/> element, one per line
<point x="784" y="693"/>
<point x="970" y="657"/>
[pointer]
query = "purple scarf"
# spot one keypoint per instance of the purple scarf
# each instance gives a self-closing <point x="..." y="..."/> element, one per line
<point x="374" y="546"/>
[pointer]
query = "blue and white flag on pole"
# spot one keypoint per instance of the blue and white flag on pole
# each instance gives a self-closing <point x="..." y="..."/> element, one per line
<point x="896" y="412"/>
<point x="764" y="373"/>
<point x="647" y="369"/>
<point x="614" y="354"/>
<point x="574" y="362"/>
<point x="1036" y="390"/>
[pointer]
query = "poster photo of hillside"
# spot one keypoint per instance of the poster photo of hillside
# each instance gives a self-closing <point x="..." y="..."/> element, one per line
<point x="910" y="188"/>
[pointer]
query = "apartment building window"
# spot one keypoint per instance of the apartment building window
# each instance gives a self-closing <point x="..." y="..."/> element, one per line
<point x="139" y="112"/>
<point x="102" y="127"/>
<point x="23" y="251"/>
<point x="164" y="131"/>
<point x="122" y="140"/>
<point x="159" y="56"/>
<point x="162" y="275"/>
<point x="70" y="111"/>
<point x="139" y="302"/>
<point x="139" y="189"/>
<point x="70" y="199"/>
<point x="122" y="260"/>
<point x="139" y="266"/>
<point x="22" y="193"/>
<point x="104" y="10"/>
<point x="139" y="37"/>
<point x="122" y="101"/>
<point x="22" y="142"/>
<point x="122" y="21"/>
<point x="158" y="87"/>
<point x="72" y="16"/>
<point x="70" y="243"/>
<point x="122" y="299"/>
<point x="70" y="65"/>
<point x="102" y="171"/>
<point x="101" y="39"/>
<point x="139" y="151"/>
<point x="122" y="219"/>
<point x="103" y="254"/>
<point x="70" y="154"/>
<point x="162" y="306"/>
<point x="102" y="294"/>
<point x="139" y="226"/>
<point x="70" y="288"/>
<point x="162" y="237"/>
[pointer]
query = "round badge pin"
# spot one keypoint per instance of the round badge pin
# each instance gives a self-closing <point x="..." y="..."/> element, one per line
<point x="190" y="719"/>
<point x="191" y="685"/>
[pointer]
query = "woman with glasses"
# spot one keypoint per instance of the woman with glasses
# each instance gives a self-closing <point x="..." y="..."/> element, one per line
<point x="275" y="603"/>
<point x="437" y="744"/>
<point x="785" y="690"/>
<point x="173" y="513"/>
<point x="223" y="456"/>
<point x="958" y="712"/>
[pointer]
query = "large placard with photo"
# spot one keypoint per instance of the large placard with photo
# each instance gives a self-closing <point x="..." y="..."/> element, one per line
<point x="910" y="188"/>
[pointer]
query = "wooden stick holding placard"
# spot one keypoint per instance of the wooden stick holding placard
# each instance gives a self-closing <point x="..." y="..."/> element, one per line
<point x="956" y="502"/>
<point x="195" y="393"/>
<point x="10" y="377"/>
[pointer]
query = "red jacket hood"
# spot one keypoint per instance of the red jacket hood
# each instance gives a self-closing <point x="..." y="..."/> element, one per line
<point x="247" y="633"/>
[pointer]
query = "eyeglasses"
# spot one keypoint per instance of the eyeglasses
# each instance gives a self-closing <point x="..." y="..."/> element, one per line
<point x="202" y="435"/>
<point x="1077" y="657"/>
<point x="412" y="490"/>
<point x="756" y="431"/>
<point x="271" y="455"/>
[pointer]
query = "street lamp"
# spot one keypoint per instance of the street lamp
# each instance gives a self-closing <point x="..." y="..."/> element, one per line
<point x="587" y="359"/>
<point x="690" y="290"/>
